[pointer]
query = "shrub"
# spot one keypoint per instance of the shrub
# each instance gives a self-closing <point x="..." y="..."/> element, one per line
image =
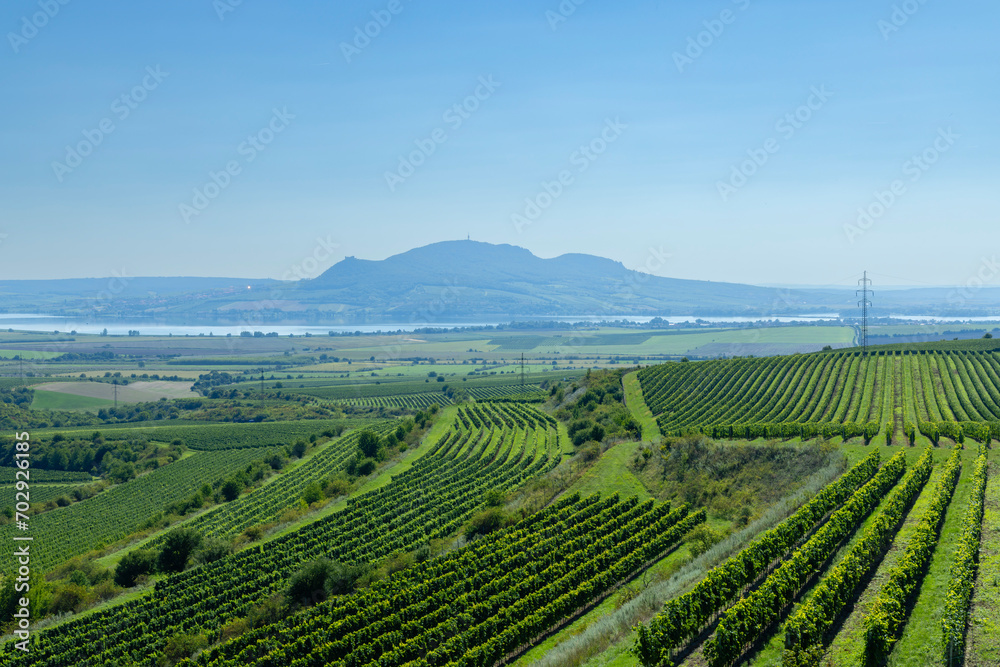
<point x="701" y="539"/>
<point x="312" y="493"/>
<point x="178" y="546"/>
<point x="183" y="646"/>
<point x="369" y="443"/>
<point x="212" y="550"/>
<point x="495" y="498"/>
<point x="70" y="598"/>
<point x="321" y="578"/>
<point x="485" y="522"/>
<point x="133" y="565"/>
<point x="231" y="489"/>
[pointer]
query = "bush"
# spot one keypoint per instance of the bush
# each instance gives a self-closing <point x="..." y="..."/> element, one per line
<point x="178" y="546"/>
<point x="70" y="598"/>
<point x="133" y="565"/>
<point x="268" y="612"/>
<point x="495" y="498"/>
<point x="312" y="493"/>
<point x="321" y="578"/>
<point x="183" y="646"/>
<point x="231" y="489"/>
<point x="701" y="539"/>
<point x="212" y="550"/>
<point x="369" y="443"/>
<point x="336" y="486"/>
<point x="590" y="451"/>
<point x="343" y="579"/>
<point x="485" y="522"/>
<point x="361" y="466"/>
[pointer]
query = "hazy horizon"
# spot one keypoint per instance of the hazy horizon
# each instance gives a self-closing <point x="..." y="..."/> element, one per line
<point x="845" y="285"/>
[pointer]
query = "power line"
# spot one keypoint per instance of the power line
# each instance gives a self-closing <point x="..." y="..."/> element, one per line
<point x="865" y="305"/>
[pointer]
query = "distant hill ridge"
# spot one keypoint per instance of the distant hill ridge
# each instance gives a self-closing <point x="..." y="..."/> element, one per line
<point x="453" y="281"/>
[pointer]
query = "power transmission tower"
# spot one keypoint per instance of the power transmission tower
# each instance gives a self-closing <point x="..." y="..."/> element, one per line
<point x="262" y="387"/>
<point x="522" y="371"/>
<point x="115" y="383"/>
<point x="865" y="304"/>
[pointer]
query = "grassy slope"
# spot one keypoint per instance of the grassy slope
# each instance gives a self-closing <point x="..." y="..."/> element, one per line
<point x="983" y="647"/>
<point x="637" y="405"/>
<point x="611" y="474"/>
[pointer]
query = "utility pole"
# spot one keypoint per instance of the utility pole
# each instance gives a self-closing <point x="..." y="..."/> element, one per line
<point x="262" y="387"/>
<point x="522" y="371"/>
<point x="115" y="383"/>
<point x="865" y="304"/>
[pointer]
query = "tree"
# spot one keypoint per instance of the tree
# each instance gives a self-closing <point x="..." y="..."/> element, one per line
<point x="318" y="579"/>
<point x="495" y="498"/>
<point x="368" y="443"/>
<point x="178" y="546"/>
<point x="231" y="489"/>
<point x="133" y="565"/>
<point x="312" y="493"/>
<point x="485" y="522"/>
<point x="701" y="539"/>
<point x="212" y="550"/>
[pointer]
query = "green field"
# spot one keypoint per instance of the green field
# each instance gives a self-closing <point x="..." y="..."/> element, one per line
<point x="27" y="354"/>
<point x="57" y="400"/>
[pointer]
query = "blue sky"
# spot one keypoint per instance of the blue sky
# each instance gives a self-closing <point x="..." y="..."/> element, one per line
<point x="717" y="140"/>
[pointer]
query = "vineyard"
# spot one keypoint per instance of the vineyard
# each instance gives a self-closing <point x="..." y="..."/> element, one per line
<point x="267" y="502"/>
<point x="953" y="393"/>
<point x="39" y="492"/>
<point x="123" y="509"/>
<point x="479" y="603"/>
<point x="207" y="437"/>
<point x="424" y="400"/>
<point x="488" y="447"/>
<point x="45" y="476"/>
<point x="787" y="597"/>
<point x="891" y="563"/>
